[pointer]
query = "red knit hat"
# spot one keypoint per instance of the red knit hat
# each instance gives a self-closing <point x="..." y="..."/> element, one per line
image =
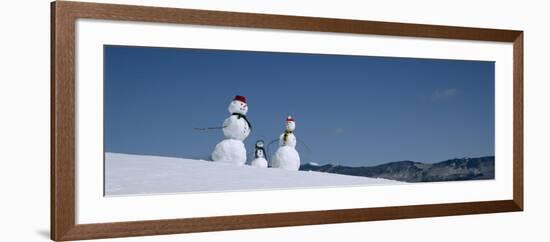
<point x="289" y="119"/>
<point x="240" y="98"/>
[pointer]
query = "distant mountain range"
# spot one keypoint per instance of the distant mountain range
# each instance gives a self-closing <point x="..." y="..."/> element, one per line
<point x="480" y="168"/>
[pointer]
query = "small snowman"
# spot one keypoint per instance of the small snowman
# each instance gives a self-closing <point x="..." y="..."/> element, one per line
<point x="286" y="157"/>
<point x="259" y="155"/>
<point x="235" y="130"/>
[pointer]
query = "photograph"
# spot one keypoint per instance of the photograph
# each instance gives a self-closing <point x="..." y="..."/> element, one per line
<point x="179" y="120"/>
<point x="166" y="119"/>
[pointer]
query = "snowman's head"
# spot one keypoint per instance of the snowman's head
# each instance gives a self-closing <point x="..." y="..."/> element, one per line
<point x="238" y="105"/>
<point x="290" y="124"/>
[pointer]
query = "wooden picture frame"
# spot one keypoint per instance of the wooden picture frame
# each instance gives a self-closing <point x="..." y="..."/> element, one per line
<point x="63" y="18"/>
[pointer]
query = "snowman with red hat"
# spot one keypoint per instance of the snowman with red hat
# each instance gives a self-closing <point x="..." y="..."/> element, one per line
<point x="235" y="130"/>
<point x="286" y="157"/>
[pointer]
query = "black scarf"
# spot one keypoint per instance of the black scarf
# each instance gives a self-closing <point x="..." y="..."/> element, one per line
<point x="245" y="119"/>
<point x="285" y="137"/>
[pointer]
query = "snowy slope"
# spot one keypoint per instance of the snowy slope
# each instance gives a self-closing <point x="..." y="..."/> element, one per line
<point x="138" y="174"/>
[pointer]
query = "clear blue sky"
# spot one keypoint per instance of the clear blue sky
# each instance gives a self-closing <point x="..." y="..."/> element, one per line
<point x="351" y="110"/>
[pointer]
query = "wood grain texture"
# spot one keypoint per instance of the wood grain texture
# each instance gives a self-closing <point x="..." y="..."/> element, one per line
<point x="173" y="226"/>
<point x="53" y="161"/>
<point x="518" y="121"/>
<point x="157" y="227"/>
<point x="63" y="123"/>
<point x="63" y="17"/>
<point x="235" y="19"/>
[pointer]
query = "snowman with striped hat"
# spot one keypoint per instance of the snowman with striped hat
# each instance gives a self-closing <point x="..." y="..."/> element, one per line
<point x="235" y="130"/>
<point x="286" y="157"/>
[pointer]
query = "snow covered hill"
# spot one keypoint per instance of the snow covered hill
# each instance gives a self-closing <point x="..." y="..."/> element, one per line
<point x="139" y="174"/>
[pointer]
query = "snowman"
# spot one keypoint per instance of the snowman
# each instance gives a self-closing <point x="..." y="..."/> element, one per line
<point x="235" y="130"/>
<point x="286" y="157"/>
<point x="259" y="154"/>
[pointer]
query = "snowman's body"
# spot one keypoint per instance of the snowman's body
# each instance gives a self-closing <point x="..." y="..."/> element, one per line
<point x="286" y="157"/>
<point x="230" y="151"/>
<point x="259" y="162"/>
<point x="235" y="130"/>
<point x="289" y="140"/>
<point x="235" y="127"/>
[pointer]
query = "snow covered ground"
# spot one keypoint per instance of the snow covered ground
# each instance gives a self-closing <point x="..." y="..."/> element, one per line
<point x="139" y="174"/>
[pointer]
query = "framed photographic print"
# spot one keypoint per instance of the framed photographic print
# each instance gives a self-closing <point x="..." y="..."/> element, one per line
<point x="172" y="120"/>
